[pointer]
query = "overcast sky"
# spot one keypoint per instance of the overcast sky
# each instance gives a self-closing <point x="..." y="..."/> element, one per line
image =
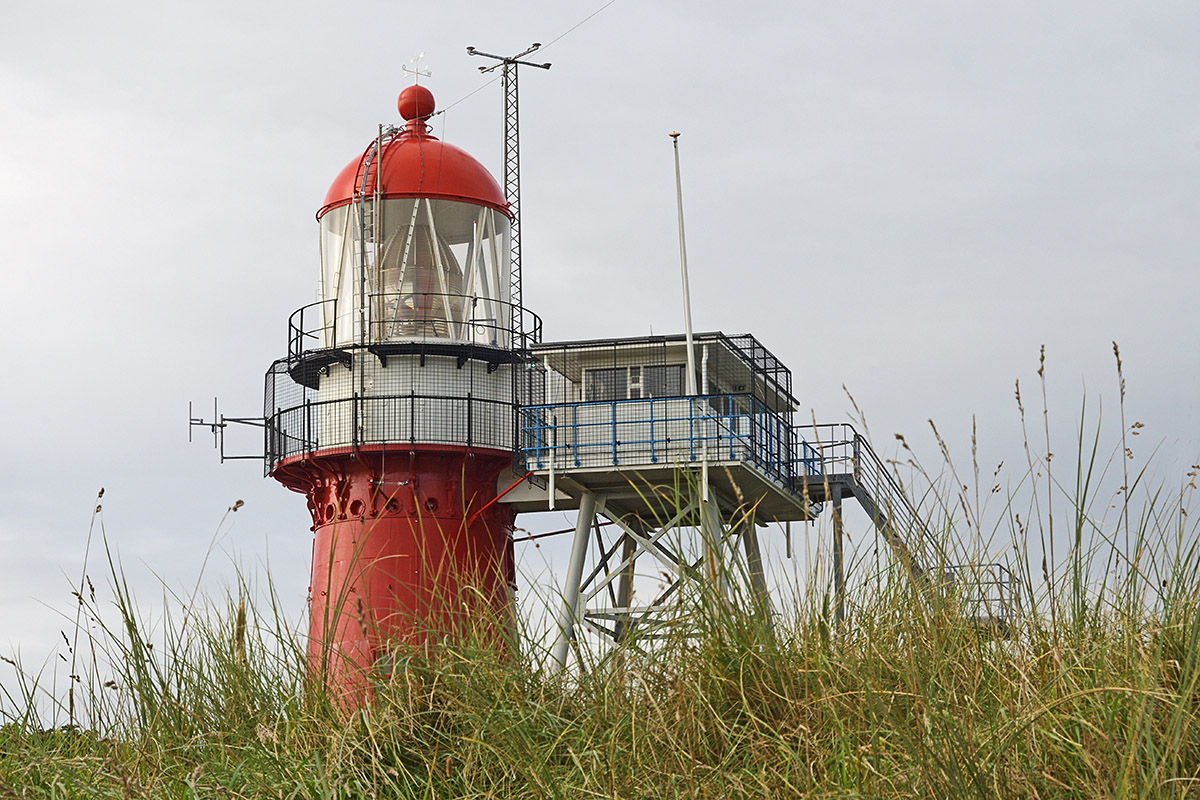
<point x="905" y="199"/>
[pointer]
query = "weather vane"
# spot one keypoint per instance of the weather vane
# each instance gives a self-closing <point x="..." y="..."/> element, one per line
<point x="415" y="70"/>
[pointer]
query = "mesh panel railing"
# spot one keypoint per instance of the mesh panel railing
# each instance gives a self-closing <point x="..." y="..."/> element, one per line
<point x="446" y="399"/>
<point x="762" y="361"/>
<point x="730" y="365"/>
<point x="668" y="430"/>
<point x="355" y="421"/>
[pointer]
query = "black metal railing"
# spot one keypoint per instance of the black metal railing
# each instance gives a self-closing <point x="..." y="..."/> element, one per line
<point x="312" y="327"/>
<point x="844" y="451"/>
<point x="737" y="364"/>
<point x="314" y="425"/>
<point x="414" y="316"/>
<point x="987" y="594"/>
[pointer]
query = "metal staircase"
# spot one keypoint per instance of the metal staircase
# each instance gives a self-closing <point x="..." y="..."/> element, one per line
<point x="987" y="594"/>
<point x="851" y="469"/>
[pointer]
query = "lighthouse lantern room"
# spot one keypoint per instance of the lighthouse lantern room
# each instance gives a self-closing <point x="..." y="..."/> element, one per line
<point x="414" y="243"/>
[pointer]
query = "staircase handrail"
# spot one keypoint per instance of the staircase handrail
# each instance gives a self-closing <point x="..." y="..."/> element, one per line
<point x="844" y="451"/>
<point x="895" y="499"/>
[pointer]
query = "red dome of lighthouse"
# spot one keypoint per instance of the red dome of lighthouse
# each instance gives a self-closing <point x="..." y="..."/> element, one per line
<point x="417" y="164"/>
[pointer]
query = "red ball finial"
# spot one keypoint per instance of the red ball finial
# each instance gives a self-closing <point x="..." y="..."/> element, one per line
<point x="416" y="102"/>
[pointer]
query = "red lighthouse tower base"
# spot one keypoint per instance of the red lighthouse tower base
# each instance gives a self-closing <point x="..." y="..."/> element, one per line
<point x="409" y="548"/>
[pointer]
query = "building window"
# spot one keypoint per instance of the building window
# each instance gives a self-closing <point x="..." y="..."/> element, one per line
<point x="665" y="380"/>
<point x="633" y="383"/>
<point x="606" y="384"/>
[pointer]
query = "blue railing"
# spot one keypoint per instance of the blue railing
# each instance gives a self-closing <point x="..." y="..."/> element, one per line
<point x="666" y="430"/>
<point x="809" y="461"/>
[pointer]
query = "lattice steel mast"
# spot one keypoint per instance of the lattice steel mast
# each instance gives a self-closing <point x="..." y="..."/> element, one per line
<point x="512" y="156"/>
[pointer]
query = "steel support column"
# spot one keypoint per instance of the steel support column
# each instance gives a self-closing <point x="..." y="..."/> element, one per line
<point x="568" y="613"/>
<point x="712" y="529"/>
<point x="625" y="585"/>
<point x="839" y="574"/>
<point x="754" y="566"/>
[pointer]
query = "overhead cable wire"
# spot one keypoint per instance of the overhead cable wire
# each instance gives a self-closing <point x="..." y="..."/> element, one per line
<point x="543" y="47"/>
<point x="576" y="25"/>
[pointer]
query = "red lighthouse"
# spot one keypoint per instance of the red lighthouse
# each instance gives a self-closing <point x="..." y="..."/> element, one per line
<point x="394" y="411"/>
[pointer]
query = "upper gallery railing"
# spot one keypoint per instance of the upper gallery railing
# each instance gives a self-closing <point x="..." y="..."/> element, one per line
<point x="418" y="316"/>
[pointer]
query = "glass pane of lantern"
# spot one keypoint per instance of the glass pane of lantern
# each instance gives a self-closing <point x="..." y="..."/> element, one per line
<point x="429" y="269"/>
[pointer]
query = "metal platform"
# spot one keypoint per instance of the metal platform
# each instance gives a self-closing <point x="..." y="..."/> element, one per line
<point x="638" y="491"/>
<point x="689" y="491"/>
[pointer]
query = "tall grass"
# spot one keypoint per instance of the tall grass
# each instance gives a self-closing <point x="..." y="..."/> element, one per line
<point x="1095" y="693"/>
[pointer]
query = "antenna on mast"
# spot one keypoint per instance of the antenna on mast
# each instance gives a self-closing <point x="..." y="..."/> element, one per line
<point x="512" y="158"/>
